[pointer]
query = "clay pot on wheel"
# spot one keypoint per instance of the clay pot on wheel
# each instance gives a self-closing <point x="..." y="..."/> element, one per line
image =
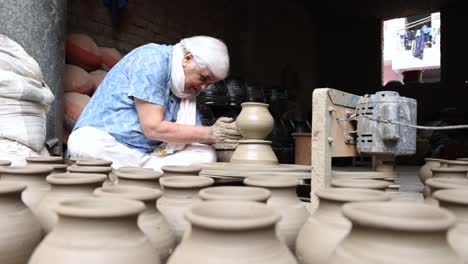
<point x="283" y="199"/>
<point x="180" y="192"/>
<point x="395" y="233"/>
<point x="19" y="230"/>
<point x="456" y="201"/>
<point x="254" y="152"/>
<point x="240" y="232"/>
<point x="254" y="121"/>
<point x="65" y="186"/>
<point x="33" y="176"/>
<point x="104" y="230"/>
<point x="150" y="221"/>
<point x="327" y="227"/>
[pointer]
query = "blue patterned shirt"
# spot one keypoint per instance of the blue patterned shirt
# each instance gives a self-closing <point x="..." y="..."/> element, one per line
<point x="144" y="73"/>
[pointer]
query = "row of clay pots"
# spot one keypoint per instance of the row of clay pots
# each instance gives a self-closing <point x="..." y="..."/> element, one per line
<point x="360" y="226"/>
<point x="443" y="168"/>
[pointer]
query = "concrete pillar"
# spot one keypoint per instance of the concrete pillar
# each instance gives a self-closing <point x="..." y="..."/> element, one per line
<point x="39" y="27"/>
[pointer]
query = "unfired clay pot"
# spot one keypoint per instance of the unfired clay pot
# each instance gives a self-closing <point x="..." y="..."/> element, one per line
<point x="456" y="201"/>
<point x="96" y="231"/>
<point x="396" y="233"/>
<point x="142" y="178"/>
<point x="360" y="184"/>
<point x="19" y="230"/>
<point x="55" y="162"/>
<point x="327" y="227"/>
<point x="236" y="193"/>
<point x="460" y="173"/>
<point x="44" y="160"/>
<point x="150" y="221"/>
<point x="226" y="232"/>
<point x="90" y="169"/>
<point x="461" y="164"/>
<point x="33" y="176"/>
<point x="254" y="121"/>
<point x="180" y="170"/>
<point x="65" y="186"/>
<point x="283" y="199"/>
<point x="180" y="192"/>
<point x="372" y="175"/>
<point x="254" y="152"/>
<point x="425" y="172"/>
<point x="94" y="162"/>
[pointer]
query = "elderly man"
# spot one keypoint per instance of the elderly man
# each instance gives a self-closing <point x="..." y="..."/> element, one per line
<point x="144" y="112"/>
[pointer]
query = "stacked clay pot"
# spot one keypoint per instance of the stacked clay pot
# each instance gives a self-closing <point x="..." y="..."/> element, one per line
<point x="180" y="170"/>
<point x="95" y="231"/>
<point x="54" y="161"/>
<point x="65" y="186"/>
<point x="138" y="177"/>
<point x="456" y="201"/>
<point x="327" y="227"/>
<point x="284" y="200"/>
<point x="241" y="232"/>
<point x="150" y="221"/>
<point x="254" y="123"/>
<point x="396" y="233"/>
<point x="236" y="193"/>
<point x="33" y="176"/>
<point x="180" y="192"/>
<point x="19" y="230"/>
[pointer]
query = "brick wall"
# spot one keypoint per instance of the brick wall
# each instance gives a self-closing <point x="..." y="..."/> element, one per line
<point x="145" y="21"/>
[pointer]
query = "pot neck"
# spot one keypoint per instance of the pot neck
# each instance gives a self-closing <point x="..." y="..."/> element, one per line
<point x="460" y="211"/>
<point x="59" y="189"/>
<point x="143" y="183"/>
<point x="103" y="228"/>
<point x="329" y="209"/>
<point x="181" y="193"/>
<point x="11" y="202"/>
<point x="34" y="180"/>
<point x="239" y="237"/>
<point x="283" y="196"/>
<point x="376" y="239"/>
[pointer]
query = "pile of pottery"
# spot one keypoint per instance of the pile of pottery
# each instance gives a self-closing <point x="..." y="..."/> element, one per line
<point x="437" y="174"/>
<point x="147" y="217"/>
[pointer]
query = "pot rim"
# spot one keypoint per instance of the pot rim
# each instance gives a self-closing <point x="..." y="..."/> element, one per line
<point x="253" y="103"/>
<point x="138" y="193"/>
<point x="457" y="196"/>
<point x="93" y="207"/>
<point x="185" y="182"/>
<point x="93" y="162"/>
<point x="10" y="188"/>
<point x="433" y="159"/>
<point x="360" y="183"/>
<point x="447" y="183"/>
<point x="139" y="175"/>
<point x="28" y="169"/>
<point x="352" y="195"/>
<point x="457" y="162"/>
<point x="232" y="215"/>
<point x="89" y="169"/>
<point x="132" y="169"/>
<point x="449" y="169"/>
<point x="75" y="178"/>
<point x="41" y="159"/>
<point x="272" y="181"/>
<point x="399" y="216"/>
<point x="236" y="193"/>
<point x="462" y="159"/>
<point x="180" y="168"/>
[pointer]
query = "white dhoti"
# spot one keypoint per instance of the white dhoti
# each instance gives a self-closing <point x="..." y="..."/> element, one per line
<point x="90" y="142"/>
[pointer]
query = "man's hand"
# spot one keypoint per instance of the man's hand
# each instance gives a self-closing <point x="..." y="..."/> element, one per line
<point x="223" y="130"/>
